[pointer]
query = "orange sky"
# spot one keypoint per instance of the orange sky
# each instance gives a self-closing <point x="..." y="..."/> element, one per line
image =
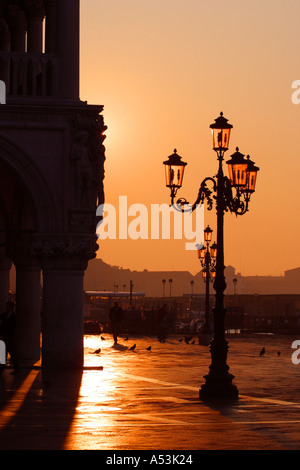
<point x="164" y="69"/>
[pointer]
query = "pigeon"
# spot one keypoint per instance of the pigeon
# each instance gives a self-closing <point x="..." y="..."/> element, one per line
<point x="97" y="351"/>
<point x="126" y="339"/>
<point x="278" y="353"/>
<point x="132" y="347"/>
<point x="149" y="348"/>
<point x="262" y="352"/>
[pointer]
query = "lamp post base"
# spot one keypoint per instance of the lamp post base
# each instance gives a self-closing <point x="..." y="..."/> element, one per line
<point x="218" y="383"/>
<point x="218" y="388"/>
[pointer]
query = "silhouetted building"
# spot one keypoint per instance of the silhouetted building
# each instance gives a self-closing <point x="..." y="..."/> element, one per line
<point x="51" y="167"/>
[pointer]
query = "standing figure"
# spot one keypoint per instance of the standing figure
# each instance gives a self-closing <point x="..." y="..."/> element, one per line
<point x="162" y="323"/>
<point x="116" y="319"/>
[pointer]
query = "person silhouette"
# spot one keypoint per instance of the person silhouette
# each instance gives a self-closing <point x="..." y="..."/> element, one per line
<point x="116" y="319"/>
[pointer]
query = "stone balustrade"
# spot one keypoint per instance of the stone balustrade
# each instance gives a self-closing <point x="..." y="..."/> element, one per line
<point x="29" y="75"/>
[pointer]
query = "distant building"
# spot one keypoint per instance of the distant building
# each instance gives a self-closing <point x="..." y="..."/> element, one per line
<point x="100" y="275"/>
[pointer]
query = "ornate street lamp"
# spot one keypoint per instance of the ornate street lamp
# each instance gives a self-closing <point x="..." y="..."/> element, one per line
<point x="174" y="168"/>
<point x="231" y="194"/>
<point x="207" y="256"/>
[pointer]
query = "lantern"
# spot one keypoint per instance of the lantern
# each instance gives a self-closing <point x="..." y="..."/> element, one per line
<point x="201" y="252"/>
<point x="251" y="176"/>
<point x="237" y="167"/>
<point x="208" y="234"/>
<point x="221" y="133"/>
<point x="213" y="273"/>
<point x="213" y="250"/>
<point x="174" y="171"/>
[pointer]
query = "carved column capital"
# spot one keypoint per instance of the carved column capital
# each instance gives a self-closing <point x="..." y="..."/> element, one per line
<point x="65" y="252"/>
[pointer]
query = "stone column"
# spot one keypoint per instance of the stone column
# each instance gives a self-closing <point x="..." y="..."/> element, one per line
<point x="67" y="47"/>
<point x="18" y="25"/>
<point x="5" y="266"/>
<point x="28" y="308"/>
<point x="64" y="260"/>
<point x="62" y="323"/>
<point x="5" y="37"/>
<point x="35" y="15"/>
<point x="50" y="39"/>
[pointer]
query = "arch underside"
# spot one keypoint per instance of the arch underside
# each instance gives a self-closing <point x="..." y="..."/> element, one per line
<point x="25" y="203"/>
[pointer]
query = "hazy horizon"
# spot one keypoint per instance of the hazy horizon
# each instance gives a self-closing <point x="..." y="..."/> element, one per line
<point x="193" y="274"/>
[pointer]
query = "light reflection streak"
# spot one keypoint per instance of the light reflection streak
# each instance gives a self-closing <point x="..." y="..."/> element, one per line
<point x="14" y="405"/>
<point x="98" y="390"/>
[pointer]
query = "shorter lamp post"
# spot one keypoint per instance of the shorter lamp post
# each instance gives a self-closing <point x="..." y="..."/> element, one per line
<point x="170" y="283"/>
<point x="163" y="284"/>
<point x="234" y="285"/>
<point x="208" y="255"/>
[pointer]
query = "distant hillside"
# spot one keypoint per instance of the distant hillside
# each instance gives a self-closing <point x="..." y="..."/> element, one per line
<point x="101" y="276"/>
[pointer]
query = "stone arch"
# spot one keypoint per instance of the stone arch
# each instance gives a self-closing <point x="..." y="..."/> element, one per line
<point x="26" y="211"/>
<point x="30" y="178"/>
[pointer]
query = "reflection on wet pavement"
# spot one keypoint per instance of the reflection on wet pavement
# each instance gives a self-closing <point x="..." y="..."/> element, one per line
<point x="148" y="399"/>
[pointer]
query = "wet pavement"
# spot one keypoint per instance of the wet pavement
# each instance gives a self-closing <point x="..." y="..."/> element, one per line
<point x="149" y="399"/>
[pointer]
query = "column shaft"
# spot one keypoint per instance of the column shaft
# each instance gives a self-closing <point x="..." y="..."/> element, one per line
<point x="50" y="39"/>
<point x="5" y="266"/>
<point x="62" y="318"/>
<point x="35" y="34"/>
<point x="28" y="323"/>
<point x="67" y="46"/>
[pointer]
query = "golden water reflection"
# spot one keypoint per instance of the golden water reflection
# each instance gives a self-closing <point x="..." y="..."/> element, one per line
<point x="99" y="398"/>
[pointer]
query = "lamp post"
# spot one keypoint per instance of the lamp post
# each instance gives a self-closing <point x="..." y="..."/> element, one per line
<point x="192" y="287"/>
<point x="231" y="194"/>
<point x="163" y="284"/>
<point x="170" y="283"/>
<point x="207" y="255"/>
<point x="234" y="285"/>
